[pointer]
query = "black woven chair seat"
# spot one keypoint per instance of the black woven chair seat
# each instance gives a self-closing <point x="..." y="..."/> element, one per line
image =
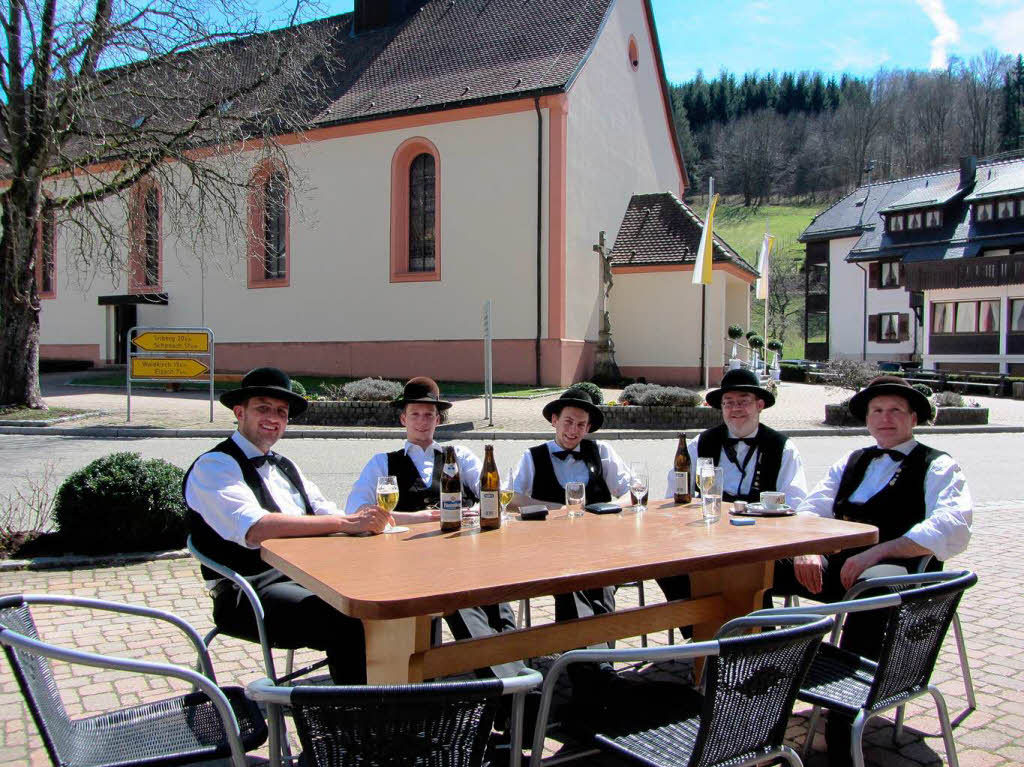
<point x="837" y="678"/>
<point x="186" y="726"/>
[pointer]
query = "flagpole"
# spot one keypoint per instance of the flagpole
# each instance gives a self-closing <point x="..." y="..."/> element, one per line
<point x="768" y="230"/>
<point x="705" y="382"/>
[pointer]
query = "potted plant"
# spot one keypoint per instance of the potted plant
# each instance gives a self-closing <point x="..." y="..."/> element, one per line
<point x="775" y="346"/>
<point x="735" y="333"/>
<point x="756" y="343"/>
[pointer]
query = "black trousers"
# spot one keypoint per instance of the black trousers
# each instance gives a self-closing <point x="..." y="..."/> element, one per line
<point x="478" y="622"/>
<point x="294" y="618"/>
<point x="587" y="678"/>
<point x="862" y="632"/>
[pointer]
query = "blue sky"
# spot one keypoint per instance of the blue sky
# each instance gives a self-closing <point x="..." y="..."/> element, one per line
<point x="832" y="36"/>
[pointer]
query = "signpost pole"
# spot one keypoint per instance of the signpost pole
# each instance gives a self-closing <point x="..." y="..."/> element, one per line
<point x="128" y="370"/>
<point x="488" y="366"/>
<point x="212" y="369"/>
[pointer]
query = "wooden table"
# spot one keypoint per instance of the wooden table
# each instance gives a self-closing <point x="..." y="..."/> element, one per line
<point x="396" y="583"/>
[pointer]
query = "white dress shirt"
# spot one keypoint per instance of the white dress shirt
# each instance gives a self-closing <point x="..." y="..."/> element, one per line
<point x="574" y="469"/>
<point x="364" y="491"/>
<point x="217" y="491"/>
<point x="791" y="479"/>
<point x="946" y="529"/>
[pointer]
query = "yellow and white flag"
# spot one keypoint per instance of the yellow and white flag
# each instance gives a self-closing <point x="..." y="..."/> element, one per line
<point x="702" y="266"/>
<point x="761" y="290"/>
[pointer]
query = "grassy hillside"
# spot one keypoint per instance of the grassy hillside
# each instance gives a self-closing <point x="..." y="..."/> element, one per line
<point x="743" y="228"/>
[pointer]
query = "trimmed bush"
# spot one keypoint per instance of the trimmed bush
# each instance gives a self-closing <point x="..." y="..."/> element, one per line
<point x="592" y="390"/>
<point x="372" y="390"/>
<point x="653" y="394"/>
<point x="755" y="341"/>
<point x="298" y="388"/>
<point x="949" y="399"/>
<point x="792" y="373"/>
<point x="775" y="346"/>
<point x="925" y="389"/>
<point x="735" y="332"/>
<point x="121" y="503"/>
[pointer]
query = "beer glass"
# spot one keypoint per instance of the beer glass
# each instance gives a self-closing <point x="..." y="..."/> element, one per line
<point x="702" y="463"/>
<point x="387" y="498"/>
<point x="505" y="495"/>
<point x="575" y="497"/>
<point x="711" y="494"/>
<point x="638" y="485"/>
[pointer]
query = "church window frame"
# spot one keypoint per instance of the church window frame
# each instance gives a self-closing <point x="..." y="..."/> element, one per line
<point x="410" y="210"/>
<point x="146" y="248"/>
<point x="269" y="226"/>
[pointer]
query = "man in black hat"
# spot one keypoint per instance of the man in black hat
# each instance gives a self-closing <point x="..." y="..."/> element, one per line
<point x="541" y="476"/>
<point x="241" y="493"/>
<point x="753" y="456"/>
<point x="417" y="467"/>
<point x="917" y="497"/>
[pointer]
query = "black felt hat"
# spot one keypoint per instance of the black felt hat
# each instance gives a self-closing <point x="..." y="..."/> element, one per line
<point x="742" y="380"/>
<point x="266" y="382"/>
<point x="894" y="386"/>
<point x="424" y="390"/>
<point x="579" y="399"/>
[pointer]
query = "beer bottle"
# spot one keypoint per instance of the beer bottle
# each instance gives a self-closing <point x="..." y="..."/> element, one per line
<point x="490" y="487"/>
<point x="451" y="493"/>
<point x="681" y="466"/>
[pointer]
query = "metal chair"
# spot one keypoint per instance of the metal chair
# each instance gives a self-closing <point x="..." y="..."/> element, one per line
<point x="436" y="723"/>
<point x="914" y="623"/>
<point x="751" y="683"/>
<point x="257" y="608"/>
<point x="210" y="723"/>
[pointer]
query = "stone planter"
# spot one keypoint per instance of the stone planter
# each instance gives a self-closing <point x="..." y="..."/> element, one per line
<point x="839" y="415"/>
<point x="346" y="413"/>
<point x="659" y="417"/>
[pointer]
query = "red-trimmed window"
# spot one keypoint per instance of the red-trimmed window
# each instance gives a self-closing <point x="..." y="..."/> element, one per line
<point x="46" y="254"/>
<point x="268" y="250"/>
<point x="145" y="263"/>
<point x="415" y="212"/>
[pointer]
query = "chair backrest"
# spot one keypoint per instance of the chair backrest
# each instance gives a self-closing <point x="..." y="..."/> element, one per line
<point x="914" y="631"/>
<point x="750" y="689"/>
<point x="35" y="678"/>
<point x="445" y="723"/>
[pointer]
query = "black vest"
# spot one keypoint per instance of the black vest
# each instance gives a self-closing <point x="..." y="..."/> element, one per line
<point x="207" y="541"/>
<point x="413" y="495"/>
<point x="767" y="463"/>
<point x="896" y="507"/>
<point x="545" y="483"/>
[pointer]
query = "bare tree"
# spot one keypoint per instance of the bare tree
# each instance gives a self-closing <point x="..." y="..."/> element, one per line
<point x="100" y="94"/>
<point x="751" y="156"/>
<point x="982" y="80"/>
<point x="785" y="289"/>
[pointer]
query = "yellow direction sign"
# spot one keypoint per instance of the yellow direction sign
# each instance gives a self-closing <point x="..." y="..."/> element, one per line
<point x="157" y="367"/>
<point x="172" y="342"/>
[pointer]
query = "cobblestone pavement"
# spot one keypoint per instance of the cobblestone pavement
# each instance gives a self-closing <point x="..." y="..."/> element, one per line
<point x="993" y="736"/>
<point x="798" y="406"/>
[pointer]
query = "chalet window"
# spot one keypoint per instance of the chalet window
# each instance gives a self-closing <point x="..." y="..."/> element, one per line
<point x="982" y="211"/>
<point x="942" y="317"/>
<point x="274" y="227"/>
<point x="932" y="219"/>
<point x="268" y="251"/>
<point x="988" y="316"/>
<point x="895" y="223"/>
<point x="913" y="221"/>
<point x="966" y="317"/>
<point x="421" y="214"/>
<point x="891" y="271"/>
<point x="888" y="328"/>
<point x="46" y="277"/>
<point x="1017" y="315"/>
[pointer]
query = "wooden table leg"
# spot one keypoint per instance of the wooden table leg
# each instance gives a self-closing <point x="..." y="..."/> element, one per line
<point x="393" y="649"/>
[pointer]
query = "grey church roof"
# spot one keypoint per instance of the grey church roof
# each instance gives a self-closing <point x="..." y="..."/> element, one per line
<point x="859" y="214"/>
<point x="661" y="229"/>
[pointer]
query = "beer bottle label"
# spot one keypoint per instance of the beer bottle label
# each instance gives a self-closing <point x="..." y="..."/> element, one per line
<point x="682" y="482"/>
<point x="490" y="508"/>
<point x="451" y="507"/>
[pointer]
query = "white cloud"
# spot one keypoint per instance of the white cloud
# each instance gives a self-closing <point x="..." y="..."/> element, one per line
<point x="948" y="32"/>
<point x="1006" y="31"/>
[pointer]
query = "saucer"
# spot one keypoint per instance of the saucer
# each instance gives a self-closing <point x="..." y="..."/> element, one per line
<point x="758" y="510"/>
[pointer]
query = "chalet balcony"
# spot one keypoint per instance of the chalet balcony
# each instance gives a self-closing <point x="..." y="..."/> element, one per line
<point x="977" y="272"/>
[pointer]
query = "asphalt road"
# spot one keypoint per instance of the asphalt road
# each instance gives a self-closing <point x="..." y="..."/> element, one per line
<point x="991" y="461"/>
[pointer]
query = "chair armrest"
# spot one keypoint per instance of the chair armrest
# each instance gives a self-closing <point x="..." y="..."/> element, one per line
<point x="526" y="680"/>
<point x="910" y="579"/>
<point x="203" y="683"/>
<point x="797" y="617"/>
<point x="145" y="612"/>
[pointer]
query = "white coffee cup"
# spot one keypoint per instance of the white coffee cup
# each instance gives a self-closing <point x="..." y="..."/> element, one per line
<point x="772" y="500"/>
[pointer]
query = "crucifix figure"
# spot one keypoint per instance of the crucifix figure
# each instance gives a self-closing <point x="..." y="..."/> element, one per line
<point x="605" y="368"/>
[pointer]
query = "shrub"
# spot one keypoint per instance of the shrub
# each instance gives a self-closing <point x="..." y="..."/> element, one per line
<point x="850" y="374"/>
<point x="750" y="334"/>
<point x="755" y="341"/>
<point x="653" y="394"/>
<point x="949" y="399"/>
<point x="772" y="386"/>
<point x="792" y="373"/>
<point x="735" y="332"/>
<point x="925" y="389"/>
<point x="372" y="390"/>
<point x="298" y="388"/>
<point x="592" y="390"/>
<point x="121" y="503"/>
<point x="775" y="346"/>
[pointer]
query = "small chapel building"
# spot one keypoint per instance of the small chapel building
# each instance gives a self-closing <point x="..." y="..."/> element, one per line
<point x="473" y="150"/>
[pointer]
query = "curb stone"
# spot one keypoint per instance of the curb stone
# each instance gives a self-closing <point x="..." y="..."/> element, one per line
<point x="81" y="560"/>
<point x="46" y="422"/>
<point x="119" y="432"/>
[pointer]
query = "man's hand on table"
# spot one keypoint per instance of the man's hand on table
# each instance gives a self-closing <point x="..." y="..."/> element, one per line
<point x="417" y="517"/>
<point x="808" y="569"/>
<point x="366" y="519"/>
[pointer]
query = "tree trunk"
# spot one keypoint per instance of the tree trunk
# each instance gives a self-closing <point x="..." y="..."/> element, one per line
<point x="19" y="301"/>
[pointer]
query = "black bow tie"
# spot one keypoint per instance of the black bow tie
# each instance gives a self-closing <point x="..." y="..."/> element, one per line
<point x="748" y="441"/>
<point x="878" y="452"/>
<point x="563" y="454"/>
<point x="272" y="458"/>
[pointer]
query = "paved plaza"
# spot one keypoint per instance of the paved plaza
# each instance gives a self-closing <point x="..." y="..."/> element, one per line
<point x="993" y="736"/>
